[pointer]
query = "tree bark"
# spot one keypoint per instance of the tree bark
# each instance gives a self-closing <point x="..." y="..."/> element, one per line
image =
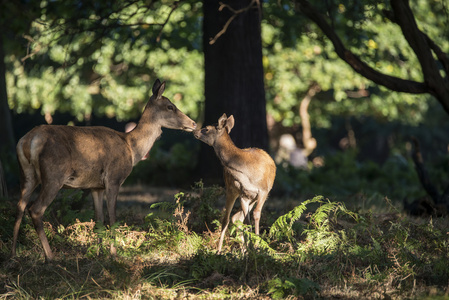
<point x="7" y="141"/>
<point x="437" y="85"/>
<point x="3" y="187"/>
<point x="233" y="76"/>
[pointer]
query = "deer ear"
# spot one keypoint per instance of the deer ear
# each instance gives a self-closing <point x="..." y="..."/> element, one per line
<point x="230" y="123"/>
<point x="160" y="90"/>
<point x="156" y="86"/>
<point x="222" y="121"/>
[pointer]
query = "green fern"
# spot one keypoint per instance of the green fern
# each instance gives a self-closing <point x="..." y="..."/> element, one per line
<point x="328" y="213"/>
<point x="321" y="236"/>
<point x="259" y="242"/>
<point x="165" y="206"/>
<point x="283" y="226"/>
<point x="280" y="288"/>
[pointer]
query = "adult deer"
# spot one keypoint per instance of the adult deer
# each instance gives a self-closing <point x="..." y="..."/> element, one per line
<point x="95" y="158"/>
<point x="248" y="173"/>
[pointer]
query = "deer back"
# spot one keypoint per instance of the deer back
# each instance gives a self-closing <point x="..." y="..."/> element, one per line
<point x="80" y="157"/>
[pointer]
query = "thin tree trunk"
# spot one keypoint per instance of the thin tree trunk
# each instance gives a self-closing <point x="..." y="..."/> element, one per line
<point x="309" y="143"/>
<point x="424" y="178"/>
<point x="3" y="188"/>
<point x="7" y="140"/>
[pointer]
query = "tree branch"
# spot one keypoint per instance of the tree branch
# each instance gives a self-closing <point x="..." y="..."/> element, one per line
<point x="442" y="57"/>
<point x="100" y="26"/>
<point x="390" y="82"/>
<point x="174" y="7"/>
<point x="404" y="17"/>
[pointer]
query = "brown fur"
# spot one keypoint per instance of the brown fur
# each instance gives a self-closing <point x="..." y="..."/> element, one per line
<point x="248" y="173"/>
<point x="96" y="158"/>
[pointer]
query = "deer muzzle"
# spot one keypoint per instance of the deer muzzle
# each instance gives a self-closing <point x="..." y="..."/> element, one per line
<point x="197" y="133"/>
<point x="190" y="127"/>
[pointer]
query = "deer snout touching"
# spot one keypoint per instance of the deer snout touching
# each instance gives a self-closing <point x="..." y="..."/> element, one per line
<point x="190" y="127"/>
<point x="196" y="133"/>
<point x="207" y="134"/>
<point x="248" y="173"/>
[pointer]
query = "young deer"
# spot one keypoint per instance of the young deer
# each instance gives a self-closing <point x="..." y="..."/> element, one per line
<point x="95" y="158"/>
<point x="248" y="173"/>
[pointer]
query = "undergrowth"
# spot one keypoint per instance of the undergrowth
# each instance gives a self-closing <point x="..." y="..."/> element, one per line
<point x="320" y="249"/>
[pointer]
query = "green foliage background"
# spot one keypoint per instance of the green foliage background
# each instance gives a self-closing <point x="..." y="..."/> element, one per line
<point x="111" y="74"/>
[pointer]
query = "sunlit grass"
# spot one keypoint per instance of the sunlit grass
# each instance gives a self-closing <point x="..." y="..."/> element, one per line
<point x="318" y="249"/>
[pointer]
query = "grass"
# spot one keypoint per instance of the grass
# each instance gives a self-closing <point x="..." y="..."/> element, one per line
<point x="319" y="249"/>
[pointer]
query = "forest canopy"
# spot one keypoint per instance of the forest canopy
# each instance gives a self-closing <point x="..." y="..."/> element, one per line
<point x="101" y="59"/>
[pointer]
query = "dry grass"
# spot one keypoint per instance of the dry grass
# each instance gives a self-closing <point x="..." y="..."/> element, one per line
<point x="171" y="255"/>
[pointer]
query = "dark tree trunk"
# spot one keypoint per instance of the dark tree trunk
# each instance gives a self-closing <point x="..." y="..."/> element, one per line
<point x="7" y="140"/>
<point x="233" y="77"/>
<point x="3" y="188"/>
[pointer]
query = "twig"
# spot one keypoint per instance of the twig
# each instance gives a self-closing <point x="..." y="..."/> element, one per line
<point x="235" y="14"/>
<point x="32" y="53"/>
<point x="174" y="7"/>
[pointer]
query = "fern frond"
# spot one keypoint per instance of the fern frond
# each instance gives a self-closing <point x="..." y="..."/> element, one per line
<point x="282" y="227"/>
<point x="166" y="206"/>
<point x="329" y="211"/>
<point x="259" y="241"/>
<point x="321" y="216"/>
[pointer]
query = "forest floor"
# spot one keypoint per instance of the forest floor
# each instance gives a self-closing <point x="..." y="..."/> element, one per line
<point x="317" y="249"/>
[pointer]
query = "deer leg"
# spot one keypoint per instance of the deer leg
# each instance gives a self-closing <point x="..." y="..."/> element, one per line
<point x="46" y="196"/>
<point x="231" y="196"/>
<point x="97" y="195"/>
<point x="111" y="196"/>
<point x="243" y="211"/>
<point x="27" y="189"/>
<point x="242" y="215"/>
<point x="262" y="197"/>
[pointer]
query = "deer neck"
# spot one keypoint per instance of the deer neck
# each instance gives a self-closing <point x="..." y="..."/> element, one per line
<point x="143" y="136"/>
<point x="226" y="150"/>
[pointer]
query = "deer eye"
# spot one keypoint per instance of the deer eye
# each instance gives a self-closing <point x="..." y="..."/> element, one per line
<point x="170" y="107"/>
<point x="204" y="130"/>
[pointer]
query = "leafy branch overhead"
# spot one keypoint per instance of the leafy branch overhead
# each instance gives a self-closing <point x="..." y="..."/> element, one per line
<point x="424" y="48"/>
<point x="99" y="58"/>
<point x="101" y="19"/>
